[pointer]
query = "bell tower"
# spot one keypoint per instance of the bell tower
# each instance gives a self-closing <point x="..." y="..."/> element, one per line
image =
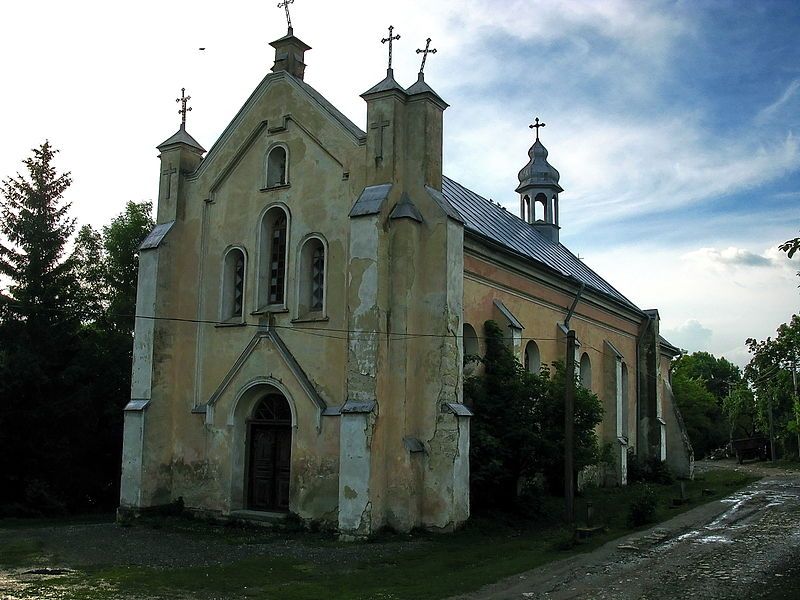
<point x="538" y="190"/>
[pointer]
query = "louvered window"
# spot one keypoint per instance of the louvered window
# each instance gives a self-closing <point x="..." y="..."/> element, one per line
<point x="277" y="269"/>
<point x="318" y="277"/>
<point x="238" y="284"/>
<point x="233" y="284"/>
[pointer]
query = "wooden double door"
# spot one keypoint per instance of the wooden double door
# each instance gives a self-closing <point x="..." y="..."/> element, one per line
<point x="269" y="455"/>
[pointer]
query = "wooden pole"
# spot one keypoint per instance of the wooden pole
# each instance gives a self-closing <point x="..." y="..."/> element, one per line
<point x="569" y="435"/>
<point x="771" y="430"/>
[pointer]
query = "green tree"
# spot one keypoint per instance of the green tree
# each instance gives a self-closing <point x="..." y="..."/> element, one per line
<point x="518" y="427"/>
<point x="769" y="374"/>
<point x="39" y="335"/>
<point x="740" y="410"/>
<point x="108" y="265"/>
<point x="65" y="351"/>
<point x="701" y="413"/>
<point x="701" y="383"/>
<point x="121" y="240"/>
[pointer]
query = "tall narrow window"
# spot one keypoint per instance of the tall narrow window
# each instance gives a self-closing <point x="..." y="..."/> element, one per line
<point x="624" y="386"/>
<point x="586" y="371"/>
<point x="471" y="349"/>
<point x="277" y="265"/>
<point x="276" y="167"/>
<point x="233" y="278"/>
<point x="311" y="277"/>
<point x="533" y="361"/>
<point x="317" y="277"/>
<point x="272" y="257"/>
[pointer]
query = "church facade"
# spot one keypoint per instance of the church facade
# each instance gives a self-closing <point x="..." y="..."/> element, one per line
<point x="306" y="301"/>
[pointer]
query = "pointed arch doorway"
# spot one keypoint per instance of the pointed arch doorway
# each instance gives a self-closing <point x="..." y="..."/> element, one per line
<point x="269" y="454"/>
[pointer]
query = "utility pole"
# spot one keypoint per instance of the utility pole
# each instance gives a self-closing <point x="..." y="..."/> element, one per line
<point x="771" y="429"/>
<point x="796" y="406"/>
<point x="569" y="425"/>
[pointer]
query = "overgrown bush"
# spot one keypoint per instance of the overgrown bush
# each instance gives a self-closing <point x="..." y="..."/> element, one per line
<point x="648" y="470"/>
<point x="517" y="433"/>
<point x="642" y="509"/>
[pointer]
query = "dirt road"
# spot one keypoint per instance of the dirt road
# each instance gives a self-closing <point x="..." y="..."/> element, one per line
<point x="745" y="546"/>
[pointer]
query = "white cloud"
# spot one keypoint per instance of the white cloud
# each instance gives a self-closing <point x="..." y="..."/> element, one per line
<point x="768" y="112"/>
<point x="730" y="256"/>
<point x="690" y="336"/>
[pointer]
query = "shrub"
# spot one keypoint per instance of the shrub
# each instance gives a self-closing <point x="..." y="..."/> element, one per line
<point x="642" y="509"/>
<point x="648" y="470"/>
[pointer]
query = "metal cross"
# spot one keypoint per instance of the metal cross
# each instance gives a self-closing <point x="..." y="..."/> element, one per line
<point x="425" y="53"/>
<point x="536" y="126"/>
<point x="285" y="5"/>
<point x="183" y="110"/>
<point x="389" y="39"/>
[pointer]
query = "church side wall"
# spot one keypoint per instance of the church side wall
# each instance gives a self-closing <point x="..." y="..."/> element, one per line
<point x="540" y="307"/>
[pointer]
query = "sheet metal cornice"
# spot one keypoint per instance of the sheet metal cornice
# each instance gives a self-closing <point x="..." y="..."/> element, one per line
<point x="494" y="223"/>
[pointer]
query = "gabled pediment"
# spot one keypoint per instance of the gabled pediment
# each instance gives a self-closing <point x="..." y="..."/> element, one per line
<point x="244" y="130"/>
<point x="249" y="365"/>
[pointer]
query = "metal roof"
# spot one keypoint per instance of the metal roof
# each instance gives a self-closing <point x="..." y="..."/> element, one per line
<point x="156" y="236"/>
<point x="488" y="220"/>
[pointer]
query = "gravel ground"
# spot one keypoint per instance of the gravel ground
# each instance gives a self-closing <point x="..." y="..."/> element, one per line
<point x="94" y="544"/>
<point x="744" y="546"/>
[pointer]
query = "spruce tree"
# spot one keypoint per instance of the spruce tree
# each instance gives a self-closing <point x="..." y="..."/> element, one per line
<point x="38" y="334"/>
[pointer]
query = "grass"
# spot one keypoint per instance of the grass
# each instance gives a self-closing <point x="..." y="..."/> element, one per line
<point x="17" y="553"/>
<point x="786" y="464"/>
<point x="435" y="566"/>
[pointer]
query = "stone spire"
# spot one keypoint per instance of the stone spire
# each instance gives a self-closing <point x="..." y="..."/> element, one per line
<point x="538" y="185"/>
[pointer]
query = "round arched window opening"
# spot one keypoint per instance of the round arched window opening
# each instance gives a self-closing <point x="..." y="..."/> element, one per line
<point x="533" y="360"/>
<point x="586" y="371"/>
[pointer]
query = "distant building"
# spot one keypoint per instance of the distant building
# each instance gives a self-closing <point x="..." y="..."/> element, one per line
<point x="308" y="295"/>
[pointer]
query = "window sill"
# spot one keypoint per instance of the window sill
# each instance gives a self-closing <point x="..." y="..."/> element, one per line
<point x="311" y="319"/>
<point x="272" y="308"/>
<point x="224" y="324"/>
<point x="271" y="188"/>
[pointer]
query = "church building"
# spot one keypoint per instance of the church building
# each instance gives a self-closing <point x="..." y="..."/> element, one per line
<point x="308" y="295"/>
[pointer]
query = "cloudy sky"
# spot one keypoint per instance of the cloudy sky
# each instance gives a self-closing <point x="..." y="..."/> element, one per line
<point x="675" y="125"/>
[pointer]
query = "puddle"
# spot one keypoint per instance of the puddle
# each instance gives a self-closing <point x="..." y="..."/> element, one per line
<point x="713" y="539"/>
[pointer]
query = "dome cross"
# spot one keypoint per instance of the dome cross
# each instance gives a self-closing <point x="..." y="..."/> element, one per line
<point x="390" y="39"/>
<point x="536" y="126"/>
<point x="425" y="52"/>
<point x="184" y="99"/>
<point x="285" y="5"/>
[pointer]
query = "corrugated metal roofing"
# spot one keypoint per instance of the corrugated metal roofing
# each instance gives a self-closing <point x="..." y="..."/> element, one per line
<point x="485" y="218"/>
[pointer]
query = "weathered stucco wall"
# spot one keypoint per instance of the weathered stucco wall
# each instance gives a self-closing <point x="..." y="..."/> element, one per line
<point x="541" y="306"/>
<point x="217" y="207"/>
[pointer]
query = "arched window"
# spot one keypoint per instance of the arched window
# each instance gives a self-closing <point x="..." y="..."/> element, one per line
<point x="533" y="361"/>
<point x="277" y="167"/>
<point x="586" y="371"/>
<point x="272" y="260"/>
<point x="624" y="399"/>
<point x="471" y="348"/>
<point x="540" y="199"/>
<point x="233" y="277"/>
<point x="312" y="277"/>
<point x="470" y="342"/>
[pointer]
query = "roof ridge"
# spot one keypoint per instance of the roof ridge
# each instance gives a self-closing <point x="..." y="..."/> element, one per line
<point x="518" y="236"/>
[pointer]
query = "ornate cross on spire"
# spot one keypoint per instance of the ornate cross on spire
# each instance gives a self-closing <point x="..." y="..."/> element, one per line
<point x="536" y="126"/>
<point x="184" y="109"/>
<point x="390" y="39"/>
<point x="425" y="52"/>
<point x="285" y="5"/>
